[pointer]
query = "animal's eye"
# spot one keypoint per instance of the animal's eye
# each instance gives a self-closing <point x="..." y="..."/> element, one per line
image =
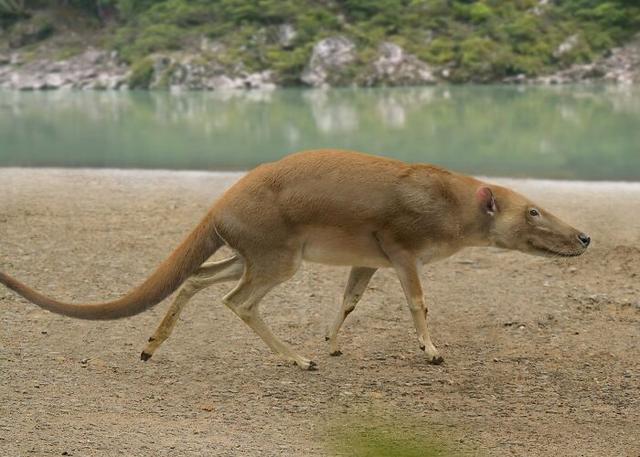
<point x="534" y="212"/>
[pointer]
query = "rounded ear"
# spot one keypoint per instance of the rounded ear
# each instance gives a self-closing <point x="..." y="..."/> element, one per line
<point x="487" y="202"/>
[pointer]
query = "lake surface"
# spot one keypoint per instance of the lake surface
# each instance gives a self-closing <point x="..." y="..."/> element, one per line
<point x="590" y="133"/>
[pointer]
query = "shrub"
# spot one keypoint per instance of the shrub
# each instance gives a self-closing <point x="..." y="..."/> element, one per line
<point x="141" y="74"/>
<point x="479" y="12"/>
<point x="289" y="64"/>
<point x="158" y="37"/>
<point x="28" y="32"/>
<point x="13" y="9"/>
<point x="482" y="59"/>
<point x="440" y="51"/>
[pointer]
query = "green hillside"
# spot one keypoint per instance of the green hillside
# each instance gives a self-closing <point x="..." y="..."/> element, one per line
<point x="473" y="40"/>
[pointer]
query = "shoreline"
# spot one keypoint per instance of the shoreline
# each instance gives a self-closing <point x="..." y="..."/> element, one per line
<point x="560" y="184"/>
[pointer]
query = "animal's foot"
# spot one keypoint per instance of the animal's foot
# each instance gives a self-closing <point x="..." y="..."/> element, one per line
<point x="144" y="356"/>
<point x="333" y="346"/>
<point x="307" y="365"/>
<point x="433" y="356"/>
<point x="436" y="360"/>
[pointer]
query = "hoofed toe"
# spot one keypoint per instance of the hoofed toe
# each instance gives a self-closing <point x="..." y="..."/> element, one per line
<point x="436" y="360"/>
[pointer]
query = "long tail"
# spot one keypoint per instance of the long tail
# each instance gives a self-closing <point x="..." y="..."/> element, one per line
<point x="183" y="261"/>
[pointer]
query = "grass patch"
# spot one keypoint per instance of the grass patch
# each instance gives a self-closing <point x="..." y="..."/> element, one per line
<point x="371" y="437"/>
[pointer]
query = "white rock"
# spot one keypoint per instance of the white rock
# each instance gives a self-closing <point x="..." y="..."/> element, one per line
<point x="53" y="81"/>
<point x="224" y="82"/>
<point x="286" y="35"/>
<point x="567" y="46"/>
<point x="209" y="45"/>
<point x="395" y="67"/>
<point x="329" y="56"/>
<point x="261" y="80"/>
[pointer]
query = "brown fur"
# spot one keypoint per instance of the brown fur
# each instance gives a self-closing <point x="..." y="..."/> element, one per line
<point x="184" y="260"/>
<point x="334" y="207"/>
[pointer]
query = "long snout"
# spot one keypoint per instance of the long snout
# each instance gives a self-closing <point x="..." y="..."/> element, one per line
<point x="556" y="237"/>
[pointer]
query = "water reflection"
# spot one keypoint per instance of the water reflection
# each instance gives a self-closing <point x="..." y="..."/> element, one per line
<point x="331" y="115"/>
<point x="565" y="132"/>
<point x="392" y="113"/>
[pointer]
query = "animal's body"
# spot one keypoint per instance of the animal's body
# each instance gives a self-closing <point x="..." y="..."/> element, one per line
<point x="340" y="208"/>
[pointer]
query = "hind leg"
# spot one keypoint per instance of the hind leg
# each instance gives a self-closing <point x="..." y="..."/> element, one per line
<point x="359" y="278"/>
<point x="223" y="270"/>
<point x="244" y="301"/>
<point x="208" y="274"/>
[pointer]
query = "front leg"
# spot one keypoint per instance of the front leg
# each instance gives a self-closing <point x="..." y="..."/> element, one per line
<point x="406" y="265"/>
<point x="359" y="277"/>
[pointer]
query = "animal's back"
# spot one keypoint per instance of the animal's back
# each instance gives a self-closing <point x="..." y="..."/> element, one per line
<point x="330" y="185"/>
<point x="332" y="202"/>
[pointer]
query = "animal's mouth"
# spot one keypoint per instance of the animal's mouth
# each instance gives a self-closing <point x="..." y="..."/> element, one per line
<point x="542" y="250"/>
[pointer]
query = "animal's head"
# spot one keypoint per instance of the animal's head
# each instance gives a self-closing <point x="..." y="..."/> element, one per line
<point x="514" y="222"/>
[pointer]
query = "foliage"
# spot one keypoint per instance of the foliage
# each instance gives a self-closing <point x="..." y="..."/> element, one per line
<point x="478" y="40"/>
<point x="141" y="74"/>
<point x="157" y="37"/>
<point x="12" y="7"/>
<point x="12" y="10"/>
<point x="24" y="33"/>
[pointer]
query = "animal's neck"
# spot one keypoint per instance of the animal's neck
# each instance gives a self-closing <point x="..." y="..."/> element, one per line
<point x="474" y="224"/>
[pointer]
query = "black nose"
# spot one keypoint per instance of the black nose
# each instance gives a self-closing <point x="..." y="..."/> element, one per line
<point x="584" y="239"/>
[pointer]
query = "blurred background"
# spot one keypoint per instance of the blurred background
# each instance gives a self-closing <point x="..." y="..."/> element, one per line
<point x="528" y="88"/>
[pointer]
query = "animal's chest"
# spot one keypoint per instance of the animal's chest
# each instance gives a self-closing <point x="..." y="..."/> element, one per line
<point x="337" y="247"/>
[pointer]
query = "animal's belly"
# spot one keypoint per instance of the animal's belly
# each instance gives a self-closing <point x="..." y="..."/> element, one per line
<point x="336" y="247"/>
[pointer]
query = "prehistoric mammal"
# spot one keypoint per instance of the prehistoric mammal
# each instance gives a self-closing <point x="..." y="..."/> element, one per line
<point x="333" y="207"/>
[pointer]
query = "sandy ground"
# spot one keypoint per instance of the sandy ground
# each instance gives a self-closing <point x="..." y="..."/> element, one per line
<point x="541" y="356"/>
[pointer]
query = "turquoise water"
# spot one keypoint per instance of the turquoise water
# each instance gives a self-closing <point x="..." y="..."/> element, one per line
<point x="551" y="132"/>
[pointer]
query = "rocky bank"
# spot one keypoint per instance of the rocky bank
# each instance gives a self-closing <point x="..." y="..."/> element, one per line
<point x="334" y="61"/>
<point x="620" y="66"/>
